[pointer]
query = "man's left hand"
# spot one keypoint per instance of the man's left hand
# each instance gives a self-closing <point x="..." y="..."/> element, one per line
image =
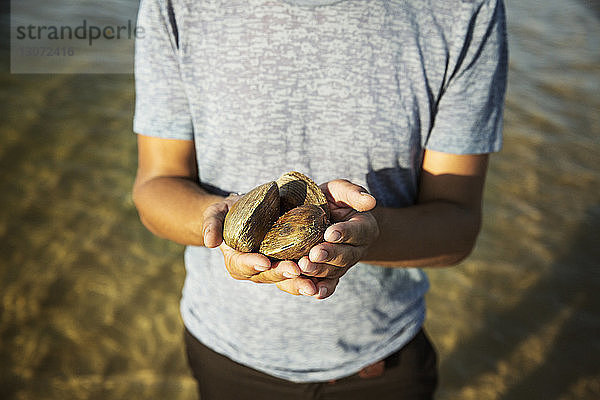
<point x="347" y="240"/>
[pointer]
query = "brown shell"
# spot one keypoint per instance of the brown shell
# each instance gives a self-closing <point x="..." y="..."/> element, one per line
<point x="249" y="219"/>
<point x="296" y="189"/>
<point x="295" y="232"/>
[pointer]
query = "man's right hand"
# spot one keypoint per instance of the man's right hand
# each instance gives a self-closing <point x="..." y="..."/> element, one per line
<point x="173" y="206"/>
<point x="252" y="266"/>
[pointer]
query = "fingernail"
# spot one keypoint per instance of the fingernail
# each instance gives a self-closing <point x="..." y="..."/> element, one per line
<point x="365" y="195"/>
<point x="260" y="268"/>
<point x="334" y="236"/>
<point x="305" y="292"/>
<point x="290" y="274"/>
<point x="306" y="266"/>
<point x="309" y="268"/>
<point x="322" y="291"/>
<point x="321" y="255"/>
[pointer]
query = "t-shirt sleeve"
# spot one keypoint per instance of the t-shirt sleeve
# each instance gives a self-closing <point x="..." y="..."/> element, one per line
<point x="161" y="105"/>
<point x="470" y="110"/>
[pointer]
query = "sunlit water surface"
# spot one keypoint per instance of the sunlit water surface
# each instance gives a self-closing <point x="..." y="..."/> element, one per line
<point x="89" y="299"/>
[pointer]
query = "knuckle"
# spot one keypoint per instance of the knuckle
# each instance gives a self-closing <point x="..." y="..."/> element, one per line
<point x="327" y="270"/>
<point x="273" y="277"/>
<point x="210" y="210"/>
<point x="349" y="257"/>
<point x="236" y="267"/>
<point x="258" y="278"/>
<point x="340" y="258"/>
<point x="321" y="271"/>
<point x="276" y="275"/>
<point x="371" y="227"/>
<point x="362" y="221"/>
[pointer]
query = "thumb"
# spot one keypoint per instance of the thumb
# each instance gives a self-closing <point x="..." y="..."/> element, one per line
<point x="344" y="192"/>
<point x="212" y="224"/>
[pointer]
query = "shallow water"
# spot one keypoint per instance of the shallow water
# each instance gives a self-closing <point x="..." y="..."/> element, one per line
<point x="89" y="298"/>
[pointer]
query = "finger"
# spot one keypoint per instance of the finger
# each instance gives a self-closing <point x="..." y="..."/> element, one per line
<point x="320" y="270"/>
<point x="212" y="225"/>
<point x="326" y="287"/>
<point x="341" y="255"/>
<point x="279" y="271"/>
<point x="360" y="230"/>
<point x="341" y="192"/>
<point x="213" y="220"/>
<point x="298" y="286"/>
<point x="244" y="265"/>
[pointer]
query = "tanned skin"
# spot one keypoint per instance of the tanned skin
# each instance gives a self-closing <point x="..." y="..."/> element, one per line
<point x="439" y="230"/>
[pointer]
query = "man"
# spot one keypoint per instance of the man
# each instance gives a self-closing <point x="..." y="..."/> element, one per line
<point x="394" y="105"/>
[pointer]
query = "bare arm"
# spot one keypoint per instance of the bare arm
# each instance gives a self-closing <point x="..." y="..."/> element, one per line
<point x="442" y="227"/>
<point x="172" y="205"/>
<point x="439" y="230"/>
<point x="166" y="193"/>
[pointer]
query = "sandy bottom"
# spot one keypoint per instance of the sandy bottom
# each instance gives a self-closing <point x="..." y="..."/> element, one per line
<point x="89" y="298"/>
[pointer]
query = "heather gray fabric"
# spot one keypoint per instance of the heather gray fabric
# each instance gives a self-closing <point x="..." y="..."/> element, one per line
<point x="312" y="3"/>
<point x="354" y="89"/>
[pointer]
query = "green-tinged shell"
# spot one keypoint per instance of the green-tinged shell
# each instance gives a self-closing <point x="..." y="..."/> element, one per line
<point x="296" y="189"/>
<point x="251" y="217"/>
<point x="295" y="233"/>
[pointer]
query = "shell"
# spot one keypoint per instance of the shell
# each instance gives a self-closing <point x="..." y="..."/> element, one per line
<point x="296" y="189"/>
<point x="295" y="232"/>
<point x="251" y="217"/>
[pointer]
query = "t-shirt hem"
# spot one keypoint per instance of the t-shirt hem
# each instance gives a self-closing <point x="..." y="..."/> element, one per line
<point x="407" y="332"/>
<point x="146" y="130"/>
<point x="464" y="151"/>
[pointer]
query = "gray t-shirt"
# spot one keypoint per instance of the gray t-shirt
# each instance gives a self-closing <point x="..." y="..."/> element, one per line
<point x="352" y="89"/>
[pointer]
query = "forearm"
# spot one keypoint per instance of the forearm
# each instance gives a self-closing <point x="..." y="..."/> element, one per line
<point x="173" y="207"/>
<point x="435" y="233"/>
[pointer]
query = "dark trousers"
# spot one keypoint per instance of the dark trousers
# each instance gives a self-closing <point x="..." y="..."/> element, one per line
<point x="410" y="373"/>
